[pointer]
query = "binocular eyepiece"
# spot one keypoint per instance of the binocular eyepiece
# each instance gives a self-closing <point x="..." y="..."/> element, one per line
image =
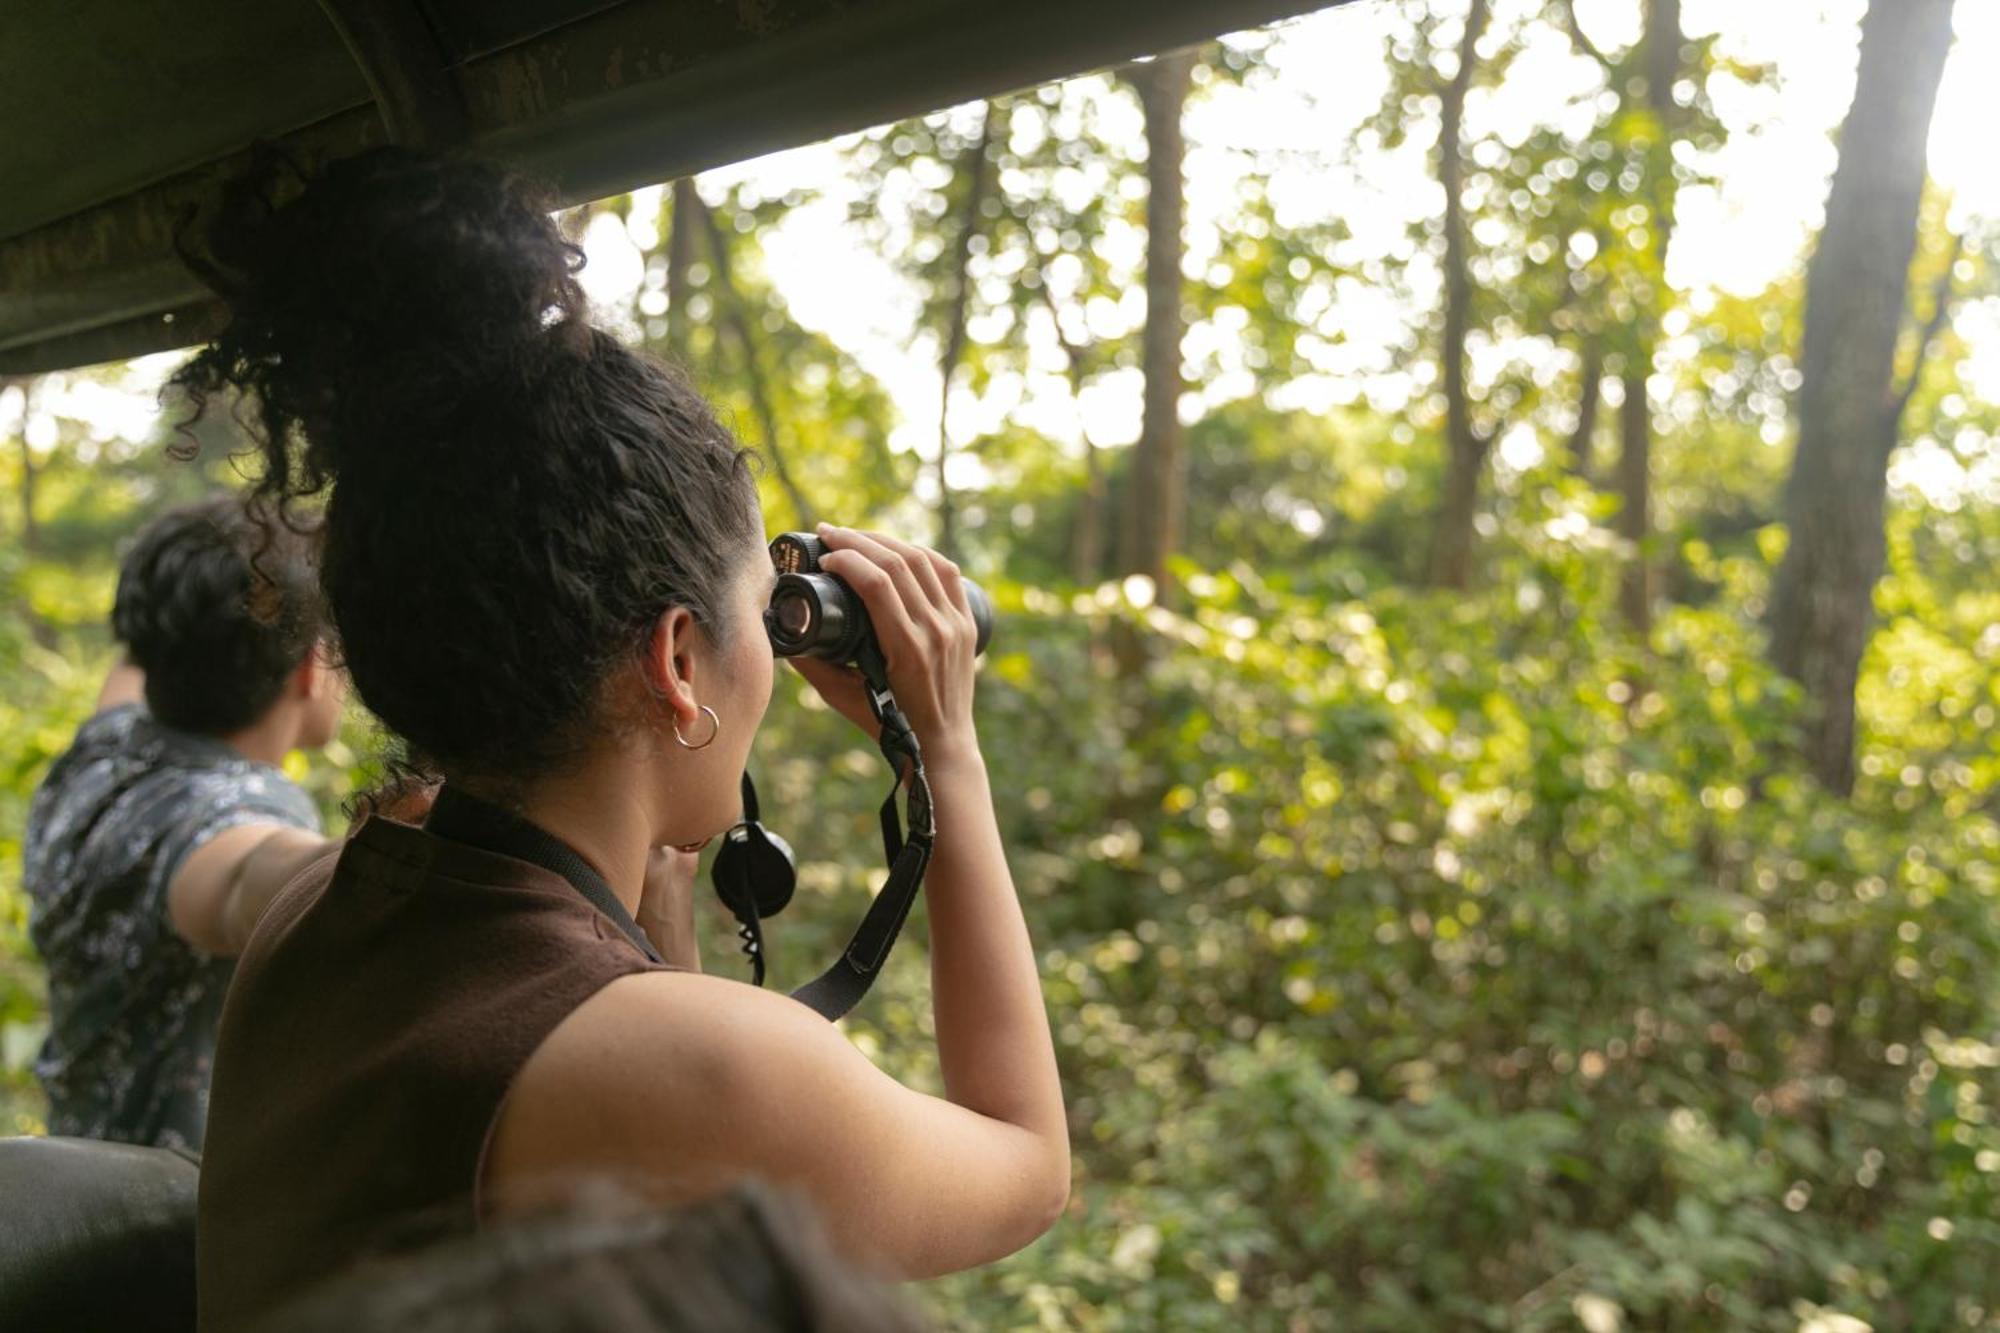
<point x="819" y="615"/>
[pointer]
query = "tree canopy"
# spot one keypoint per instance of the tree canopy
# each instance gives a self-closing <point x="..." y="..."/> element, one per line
<point x="1445" y="917"/>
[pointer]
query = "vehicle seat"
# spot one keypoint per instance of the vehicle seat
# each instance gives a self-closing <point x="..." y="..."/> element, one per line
<point x="96" y="1236"/>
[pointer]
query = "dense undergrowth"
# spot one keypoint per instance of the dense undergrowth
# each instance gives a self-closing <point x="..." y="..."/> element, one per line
<point x="1426" y="960"/>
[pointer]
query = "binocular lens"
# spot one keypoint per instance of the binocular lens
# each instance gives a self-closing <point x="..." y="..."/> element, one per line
<point x="793" y="613"/>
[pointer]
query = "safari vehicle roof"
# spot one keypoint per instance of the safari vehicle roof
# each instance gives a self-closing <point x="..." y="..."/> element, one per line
<point x="115" y="116"/>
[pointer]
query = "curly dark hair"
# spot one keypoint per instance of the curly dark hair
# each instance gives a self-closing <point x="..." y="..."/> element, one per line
<point x="215" y="636"/>
<point x="513" y="495"/>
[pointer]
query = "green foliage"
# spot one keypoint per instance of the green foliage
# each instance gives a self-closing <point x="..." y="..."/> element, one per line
<point x="788" y="391"/>
<point x="1433" y="962"/>
<point x="1061" y="187"/>
<point x="1439" y="964"/>
<point x="1415" y="960"/>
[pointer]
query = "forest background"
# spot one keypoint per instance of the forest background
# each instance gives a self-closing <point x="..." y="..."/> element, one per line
<point x="1495" y="507"/>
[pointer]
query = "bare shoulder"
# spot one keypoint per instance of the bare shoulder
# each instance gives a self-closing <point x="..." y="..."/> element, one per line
<point x="677" y="1085"/>
<point x="647" y="1080"/>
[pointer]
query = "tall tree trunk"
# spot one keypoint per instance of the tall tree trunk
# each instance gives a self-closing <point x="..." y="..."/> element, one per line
<point x="1156" y="498"/>
<point x="39" y="629"/>
<point x="1663" y="42"/>
<point x="1849" y="412"/>
<point x="978" y="174"/>
<point x="680" y="258"/>
<point x="31" y="533"/>
<point x="1589" y="397"/>
<point x="730" y="308"/>
<point x="1087" y="545"/>
<point x="1466" y="446"/>
<point x="1155" y="492"/>
<point x="1634" y="477"/>
<point x="1087" y="552"/>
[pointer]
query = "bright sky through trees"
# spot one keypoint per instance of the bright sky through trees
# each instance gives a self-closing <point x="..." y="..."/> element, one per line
<point x="1748" y="229"/>
<point x="1296" y="130"/>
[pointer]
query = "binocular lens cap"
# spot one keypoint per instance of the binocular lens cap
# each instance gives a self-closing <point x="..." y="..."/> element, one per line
<point x="754" y="865"/>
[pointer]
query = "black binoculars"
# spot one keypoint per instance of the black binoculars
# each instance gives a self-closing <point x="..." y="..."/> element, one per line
<point x="819" y="615"/>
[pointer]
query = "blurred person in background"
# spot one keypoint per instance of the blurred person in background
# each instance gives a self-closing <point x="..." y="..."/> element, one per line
<point x="159" y="837"/>
<point x="750" y="1261"/>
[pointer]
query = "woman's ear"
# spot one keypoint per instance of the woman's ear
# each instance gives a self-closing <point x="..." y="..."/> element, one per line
<point x="312" y="676"/>
<point x="670" y="661"/>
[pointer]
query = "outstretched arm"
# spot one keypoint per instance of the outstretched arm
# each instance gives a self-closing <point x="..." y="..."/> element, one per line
<point x="222" y="888"/>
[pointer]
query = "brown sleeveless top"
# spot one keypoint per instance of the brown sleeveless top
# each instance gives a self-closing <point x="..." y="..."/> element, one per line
<point x="374" y="1025"/>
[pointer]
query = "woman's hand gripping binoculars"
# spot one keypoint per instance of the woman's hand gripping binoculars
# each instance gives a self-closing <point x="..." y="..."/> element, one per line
<point x="843" y="594"/>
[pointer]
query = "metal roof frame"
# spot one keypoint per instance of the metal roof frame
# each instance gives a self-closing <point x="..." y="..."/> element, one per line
<point x="610" y="98"/>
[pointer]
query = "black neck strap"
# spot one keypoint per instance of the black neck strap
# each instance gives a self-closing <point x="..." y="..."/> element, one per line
<point x="840" y="987"/>
<point x="463" y="817"/>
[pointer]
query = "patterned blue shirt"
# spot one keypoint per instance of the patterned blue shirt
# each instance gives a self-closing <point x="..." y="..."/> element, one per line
<point x="132" y="1005"/>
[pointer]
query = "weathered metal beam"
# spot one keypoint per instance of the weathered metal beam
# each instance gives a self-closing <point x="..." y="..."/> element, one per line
<point x="613" y="103"/>
<point x="112" y="266"/>
<point x="639" y="93"/>
<point x="405" y="67"/>
<point x="194" y="322"/>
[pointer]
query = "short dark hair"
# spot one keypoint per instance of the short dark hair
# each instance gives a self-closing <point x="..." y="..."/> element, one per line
<point x="751" y="1261"/>
<point x="217" y="610"/>
<point x="515" y="497"/>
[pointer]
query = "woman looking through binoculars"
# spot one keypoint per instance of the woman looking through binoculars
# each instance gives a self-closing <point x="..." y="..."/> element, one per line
<point x="543" y="556"/>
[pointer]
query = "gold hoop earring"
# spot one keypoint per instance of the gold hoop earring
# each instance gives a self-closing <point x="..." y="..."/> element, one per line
<point x="714" y="726"/>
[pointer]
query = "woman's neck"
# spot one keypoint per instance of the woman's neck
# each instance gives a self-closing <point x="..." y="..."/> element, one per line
<point x="602" y="814"/>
